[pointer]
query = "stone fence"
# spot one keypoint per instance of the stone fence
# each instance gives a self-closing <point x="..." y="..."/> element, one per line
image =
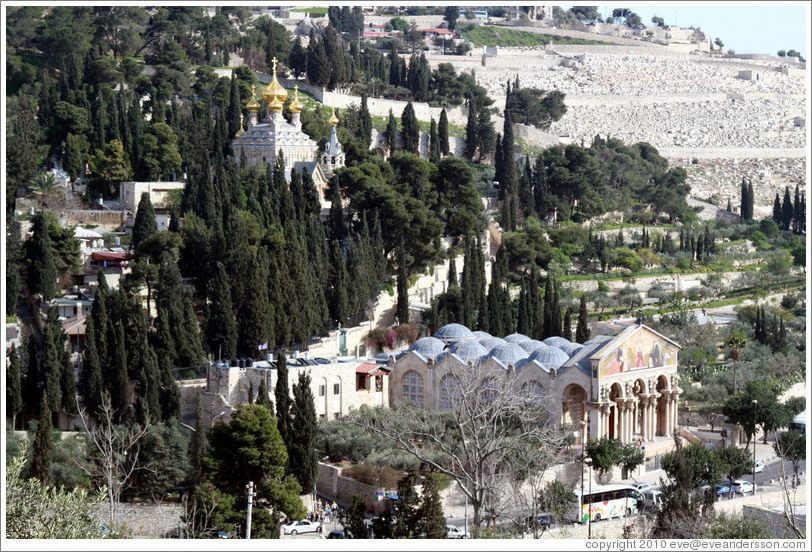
<point x="335" y="486"/>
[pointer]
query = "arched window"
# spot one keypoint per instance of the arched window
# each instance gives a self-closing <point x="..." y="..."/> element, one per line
<point x="449" y="392"/>
<point x="533" y="390"/>
<point x="333" y="160"/>
<point x="413" y="387"/>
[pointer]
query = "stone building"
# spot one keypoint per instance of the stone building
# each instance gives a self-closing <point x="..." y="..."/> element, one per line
<point x="623" y="386"/>
<point x="338" y="386"/>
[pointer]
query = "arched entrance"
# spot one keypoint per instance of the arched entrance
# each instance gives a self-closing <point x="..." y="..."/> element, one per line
<point x="573" y="407"/>
<point x="615" y="392"/>
<point x="662" y="406"/>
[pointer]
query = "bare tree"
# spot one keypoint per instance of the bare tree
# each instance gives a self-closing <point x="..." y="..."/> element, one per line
<point x="483" y="438"/>
<point x="791" y="446"/>
<point x="198" y="514"/>
<point x="115" y="458"/>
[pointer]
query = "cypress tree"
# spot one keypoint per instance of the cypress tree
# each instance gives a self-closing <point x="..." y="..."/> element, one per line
<point x="52" y="359"/>
<point x="796" y="211"/>
<point x="777" y="212"/>
<point x="411" y="130"/>
<point x="535" y="301"/>
<point x="336" y="224"/>
<point x="549" y="318"/>
<point x="255" y="314"/>
<point x="145" y="224"/>
<point x="442" y="131"/>
<point x="42" y="452"/>
<point x="786" y="211"/>
<point x="251" y="392"/>
<point x="434" y="143"/>
<point x="198" y="443"/>
<point x="402" y="312"/>
<point x="566" y="329"/>
<point x="509" y="182"/>
<point x="42" y="269"/>
<point x="302" y="449"/>
<point x="31" y="387"/>
<point x="391" y="133"/>
<point x="750" y="200"/>
<point x="582" y="333"/>
<point x="337" y="296"/>
<point x="116" y="378"/>
<point x="264" y="398"/>
<point x="282" y="395"/>
<point x="433" y="522"/>
<point x="406" y="518"/>
<point x="524" y="323"/>
<point x="471" y="137"/>
<point x="365" y="122"/>
<point x="170" y="395"/>
<point x="452" y="271"/>
<point x="14" y="390"/>
<point x="221" y="327"/>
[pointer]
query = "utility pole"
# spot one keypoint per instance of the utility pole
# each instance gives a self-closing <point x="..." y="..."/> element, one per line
<point x="251" y="494"/>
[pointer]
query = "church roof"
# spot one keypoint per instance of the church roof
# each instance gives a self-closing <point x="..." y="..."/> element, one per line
<point x="332" y="146"/>
<point x="516" y="338"/>
<point x="550" y="357"/>
<point x="453" y="332"/>
<point x="466" y="350"/>
<point x="428" y="347"/>
<point x="532" y="345"/>
<point x="508" y="353"/>
<point x="274" y="136"/>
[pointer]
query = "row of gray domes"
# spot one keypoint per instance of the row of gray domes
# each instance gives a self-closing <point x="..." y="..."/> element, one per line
<point x="516" y="349"/>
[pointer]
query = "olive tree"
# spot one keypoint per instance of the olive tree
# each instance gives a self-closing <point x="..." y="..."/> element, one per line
<point x="489" y="434"/>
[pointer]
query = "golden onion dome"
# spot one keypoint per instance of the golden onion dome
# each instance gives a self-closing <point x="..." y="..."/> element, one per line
<point x="274" y="92"/>
<point x="253" y="105"/>
<point x="295" y="105"/>
<point x="333" y="120"/>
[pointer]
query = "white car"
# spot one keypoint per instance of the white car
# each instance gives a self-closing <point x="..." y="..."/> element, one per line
<point x="759" y="467"/>
<point x="642" y="487"/>
<point x="741" y="486"/>
<point x="303" y="526"/>
<point x="455" y="532"/>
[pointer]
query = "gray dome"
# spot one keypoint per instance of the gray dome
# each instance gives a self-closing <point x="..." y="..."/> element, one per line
<point x="550" y="357"/>
<point x="479" y="335"/>
<point x="557" y="341"/>
<point x="516" y="338"/>
<point x="453" y="332"/>
<point x="429" y="347"/>
<point x="491" y="342"/>
<point x="572" y="348"/>
<point x="508" y="353"/>
<point x="468" y="350"/>
<point x="532" y="345"/>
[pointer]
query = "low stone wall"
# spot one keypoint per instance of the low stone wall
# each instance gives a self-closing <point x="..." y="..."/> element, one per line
<point x="152" y="521"/>
<point x="108" y="219"/>
<point x="342" y="489"/>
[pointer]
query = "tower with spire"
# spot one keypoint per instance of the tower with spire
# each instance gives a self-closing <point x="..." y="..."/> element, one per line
<point x="333" y="156"/>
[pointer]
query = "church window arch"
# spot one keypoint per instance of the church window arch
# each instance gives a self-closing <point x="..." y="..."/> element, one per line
<point x="413" y="387"/>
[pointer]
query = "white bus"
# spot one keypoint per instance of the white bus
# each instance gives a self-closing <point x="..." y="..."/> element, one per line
<point x="606" y="502"/>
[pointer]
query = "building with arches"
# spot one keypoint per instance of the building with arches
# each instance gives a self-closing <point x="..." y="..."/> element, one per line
<point x="624" y="387"/>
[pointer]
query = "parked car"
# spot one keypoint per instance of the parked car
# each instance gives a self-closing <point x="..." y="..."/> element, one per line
<point x="641" y="487"/>
<point x="221" y="535"/>
<point x="336" y="535"/>
<point x="759" y="466"/>
<point x="741" y="487"/>
<point x="455" y="532"/>
<point x="303" y="526"/>
<point x="723" y="489"/>
<point x="652" y="498"/>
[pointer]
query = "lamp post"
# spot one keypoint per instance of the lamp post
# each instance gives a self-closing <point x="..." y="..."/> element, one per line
<point x="251" y="494"/>
<point x="589" y="505"/>
<point x="755" y="418"/>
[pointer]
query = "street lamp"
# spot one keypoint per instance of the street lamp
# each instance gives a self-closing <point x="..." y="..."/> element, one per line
<point x="755" y="418"/>
<point x="589" y="505"/>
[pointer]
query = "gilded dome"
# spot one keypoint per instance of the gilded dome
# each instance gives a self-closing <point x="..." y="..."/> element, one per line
<point x="295" y="105"/>
<point x="333" y="120"/>
<point x="253" y="105"/>
<point x="275" y="94"/>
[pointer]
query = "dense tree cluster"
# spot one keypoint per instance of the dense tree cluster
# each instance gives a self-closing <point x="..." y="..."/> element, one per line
<point x="531" y="106"/>
<point x="790" y="215"/>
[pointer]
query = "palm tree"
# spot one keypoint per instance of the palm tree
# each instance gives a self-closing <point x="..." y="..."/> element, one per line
<point x="736" y="342"/>
<point x="43" y="184"/>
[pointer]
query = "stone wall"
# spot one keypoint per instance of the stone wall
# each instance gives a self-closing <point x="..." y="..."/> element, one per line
<point x="108" y="219"/>
<point x="146" y="520"/>
<point x="334" y="486"/>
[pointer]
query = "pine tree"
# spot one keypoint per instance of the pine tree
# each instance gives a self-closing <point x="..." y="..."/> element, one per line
<point x="145" y="224"/>
<point x="221" y="327"/>
<point x="442" y="131"/>
<point x="282" y="395"/>
<point x="42" y="452"/>
<point x="582" y="333"/>
<point x="391" y="133"/>
<point x="411" y="130"/>
<point x="406" y="518"/>
<point x="302" y="457"/>
<point x="471" y="136"/>
<point x="432" y="519"/>
<point x="42" y="269"/>
<point x="14" y="390"/>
